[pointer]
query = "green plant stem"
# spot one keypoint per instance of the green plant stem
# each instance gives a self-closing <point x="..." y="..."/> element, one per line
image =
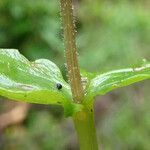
<point x="83" y="120"/>
<point x="71" y="50"/>
<point x="85" y="127"/>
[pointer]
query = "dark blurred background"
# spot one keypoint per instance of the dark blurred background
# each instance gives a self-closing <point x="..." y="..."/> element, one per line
<point x="112" y="34"/>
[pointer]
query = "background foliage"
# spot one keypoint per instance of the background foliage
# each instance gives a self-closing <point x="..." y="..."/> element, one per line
<point x="112" y="34"/>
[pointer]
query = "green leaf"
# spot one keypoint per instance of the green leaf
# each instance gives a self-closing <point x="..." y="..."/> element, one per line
<point x="34" y="82"/>
<point x="106" y="82"/>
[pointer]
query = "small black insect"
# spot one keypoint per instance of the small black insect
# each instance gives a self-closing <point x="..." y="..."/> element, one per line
<point x="59" y="86"/>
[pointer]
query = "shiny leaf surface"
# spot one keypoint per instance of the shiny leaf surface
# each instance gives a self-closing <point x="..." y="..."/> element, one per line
<point x="106" y="82"/>
<point x="35" y="82"/>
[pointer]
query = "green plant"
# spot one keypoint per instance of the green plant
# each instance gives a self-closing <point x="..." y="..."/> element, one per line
<point x="41" y="82"/>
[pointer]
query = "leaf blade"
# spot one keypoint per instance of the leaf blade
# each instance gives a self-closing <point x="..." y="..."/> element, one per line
<point x="33" y="82"/>
<point x="106" y="82"/>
